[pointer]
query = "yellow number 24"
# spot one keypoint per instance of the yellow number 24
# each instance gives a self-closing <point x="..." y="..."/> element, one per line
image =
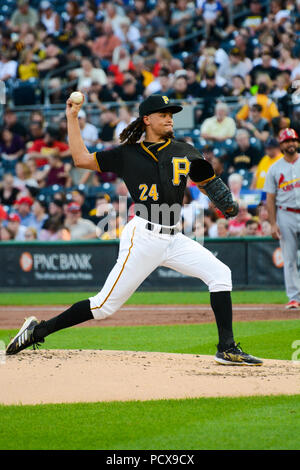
<point x="151" y="193"/>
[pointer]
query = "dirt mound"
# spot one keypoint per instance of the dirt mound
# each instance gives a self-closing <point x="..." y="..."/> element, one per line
<point x="66" y="376"/>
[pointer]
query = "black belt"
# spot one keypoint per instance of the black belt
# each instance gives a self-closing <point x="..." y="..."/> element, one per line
<point x="163" y="230"/>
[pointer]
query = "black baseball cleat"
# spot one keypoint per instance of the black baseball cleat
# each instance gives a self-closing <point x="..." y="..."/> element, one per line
<point x="235" y="356"/>
<point x="24" y="338"/>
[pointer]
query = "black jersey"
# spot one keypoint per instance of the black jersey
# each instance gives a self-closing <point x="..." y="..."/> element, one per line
<point x="154" y="173"/>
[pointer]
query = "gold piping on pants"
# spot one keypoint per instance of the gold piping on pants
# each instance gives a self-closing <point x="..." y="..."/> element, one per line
<point x="131" y="245"/>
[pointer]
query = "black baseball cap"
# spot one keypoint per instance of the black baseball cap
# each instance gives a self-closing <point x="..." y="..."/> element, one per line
<point x="156" y="103"/>
<point x="272" y="143"/>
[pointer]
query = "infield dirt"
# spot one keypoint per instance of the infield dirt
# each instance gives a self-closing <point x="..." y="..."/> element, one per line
<point x="67" y="376"/>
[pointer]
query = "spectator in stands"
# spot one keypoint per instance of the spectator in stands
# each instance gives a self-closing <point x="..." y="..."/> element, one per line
<point x="211" y="11"/>
<point x="162" y="84"/>
<point x="8" y="192"/>
<point x="12" y="148"/>
<point x="269" y="108"/>
<point x="280" y="95"/>
<point x="16" y="226"/>
<point x="23" y="14"/>
<point x="129" y="35"/>
<point x="49" y="145"/>
<point x="115" y="229"/>
<point x="265" y="67"/>
<point x="273" y="154"/>
<point x="31" y="234"/>
<point x="104" y="46"/>
<point x="238" y="87"/>
<point x="102" y="208"/>
<point x="86" y="74"/>
<point x="179" y="90"/>
<point x="245" y="156"/>
<point x="286" y="61"/>
<point x="129" y="91"/>
<point x="40" y="215"/>
<point x="238" y="65"/>
<point x="79" y="43"/>
<point x="219" y="127"/>
<point x="10" y="120"/>
<point x="254" y="18"/>
<point x="72" y="12"/>
<point x="266" y="229"/>
<point x="56" y="172"/>
<point x="24" y="210"/>
<point x="222" y="228"/>
<point x="251" y="228"/>
<point x="8" y="66"/>
<point x="24" y="177"/>
<point x="35" y="132"/>
<point x="181" y="21"/>
<point x="218" y="163"/>
<point x="235" y="184"/>
<point x="80" y="198"/>
<point x="108" y="123"/>
<point x="210" y="92"/>
<point x="99" y="94"/>
<point x="193" y="83"/>
<point x="56" y="210"/>
<point x="55" y="59"/>
<point x="89" y="132"/>
<point x="80" y="229"/>
<point x="125" y="118"/>
<point x="256" y="125"/>
<point x="27" y="67"/>
<point x="49" y="18"/>
<point x="54" y="230"/>
<point x="6" y="234"/>
<point x="237" y="225"/>
<point x="210" y="221"/>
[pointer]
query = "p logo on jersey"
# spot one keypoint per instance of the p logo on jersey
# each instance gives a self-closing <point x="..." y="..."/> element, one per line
<point x="181" y="166"/>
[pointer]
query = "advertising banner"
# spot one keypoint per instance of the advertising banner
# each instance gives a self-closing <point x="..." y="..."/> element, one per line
<point x="86" y="265"/>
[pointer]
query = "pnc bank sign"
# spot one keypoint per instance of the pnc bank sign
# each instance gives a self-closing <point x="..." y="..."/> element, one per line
<point x="55" y="262"/>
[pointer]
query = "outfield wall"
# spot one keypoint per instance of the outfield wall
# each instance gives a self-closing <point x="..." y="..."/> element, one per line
<point x="256" y="263"/>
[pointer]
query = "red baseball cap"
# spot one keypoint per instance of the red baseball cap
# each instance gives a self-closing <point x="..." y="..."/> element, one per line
<point x="14" y="218"/>
<point x="73" y="207"/>
<point x="25" y="200"/>
<point x="288" y="134"/>
<point x="3" y="213"/>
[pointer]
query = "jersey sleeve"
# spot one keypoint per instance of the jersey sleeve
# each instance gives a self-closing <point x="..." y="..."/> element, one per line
<point x="270" y="182"/>
<point x="110" y="160"/>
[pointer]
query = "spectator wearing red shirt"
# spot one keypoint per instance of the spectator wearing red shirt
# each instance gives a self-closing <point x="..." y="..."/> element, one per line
<point x="237" y="225"/>
<point x="57" y="172"/>
<point x="49" y="145"/>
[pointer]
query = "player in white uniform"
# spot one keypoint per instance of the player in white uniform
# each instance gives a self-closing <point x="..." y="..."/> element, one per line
<point x="155" y="172"/>
<point x="283" y="202"/>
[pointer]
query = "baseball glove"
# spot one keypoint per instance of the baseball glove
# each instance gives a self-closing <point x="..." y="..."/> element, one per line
<point x="220" y="195"/>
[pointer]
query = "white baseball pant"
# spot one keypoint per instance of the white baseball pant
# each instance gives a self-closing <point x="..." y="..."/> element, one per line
<point x="142" y="251"/>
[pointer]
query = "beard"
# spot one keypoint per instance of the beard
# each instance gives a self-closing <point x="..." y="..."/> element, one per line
<point x="167" y="135"/>
<point x="291" y="149"/>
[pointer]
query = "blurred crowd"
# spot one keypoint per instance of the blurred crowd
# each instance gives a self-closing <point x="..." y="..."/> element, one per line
<point x="235" y="62"/>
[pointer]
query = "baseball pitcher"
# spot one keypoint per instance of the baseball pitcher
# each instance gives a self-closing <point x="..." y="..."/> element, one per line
<point x="155" y="168"/>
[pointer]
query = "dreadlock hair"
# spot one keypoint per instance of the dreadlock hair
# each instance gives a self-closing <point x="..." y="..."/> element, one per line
<point x="133" y="132"/>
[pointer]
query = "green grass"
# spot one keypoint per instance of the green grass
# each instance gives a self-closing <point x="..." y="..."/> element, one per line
<point x="267" y="423"/>
<point x="272" y="340"/>
<point x="138" y="298"/>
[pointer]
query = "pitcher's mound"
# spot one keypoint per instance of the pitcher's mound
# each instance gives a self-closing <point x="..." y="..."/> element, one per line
<point x="66" y="376"/>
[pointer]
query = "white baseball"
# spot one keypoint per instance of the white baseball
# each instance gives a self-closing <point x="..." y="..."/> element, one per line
<point x="76" y="97"/>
